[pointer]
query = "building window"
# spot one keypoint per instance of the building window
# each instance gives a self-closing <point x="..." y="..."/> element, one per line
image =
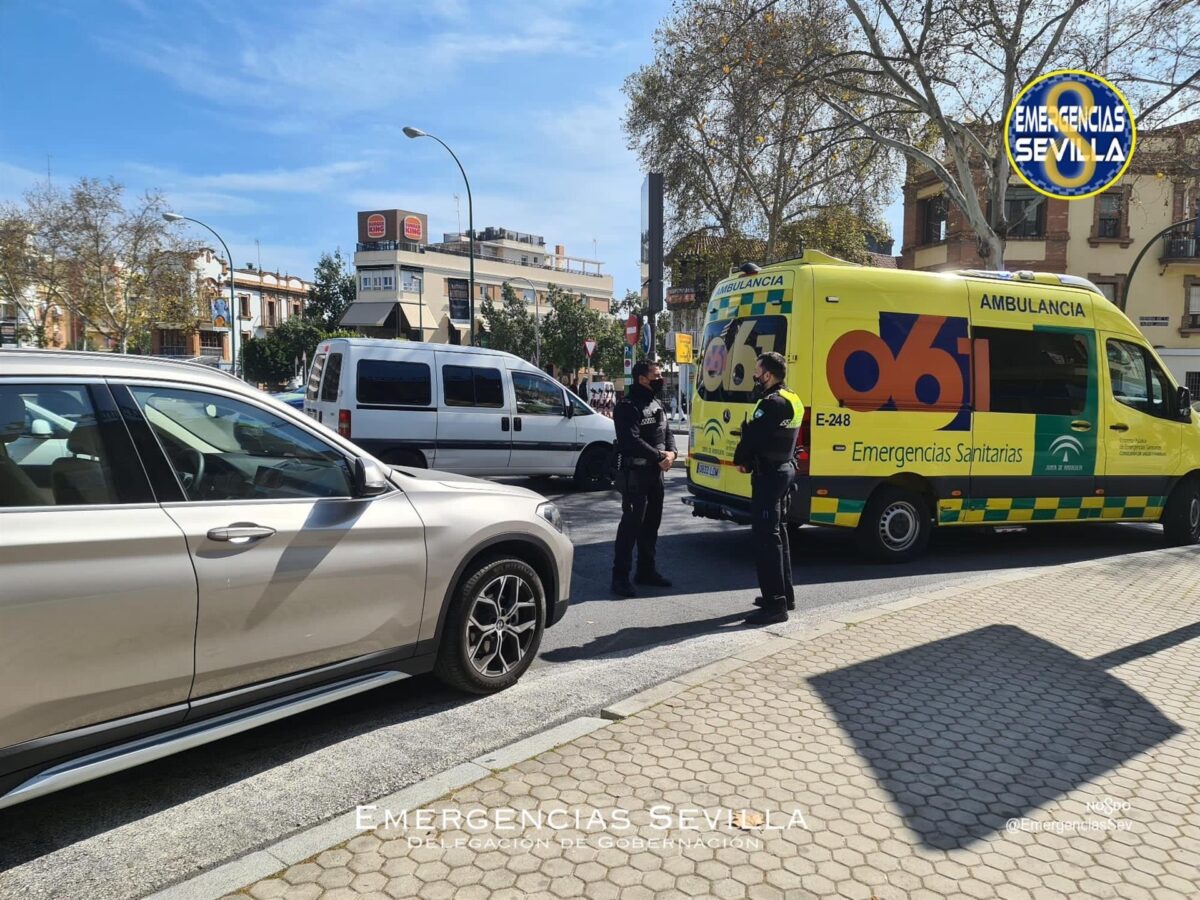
<point x="1191" y="319"/>
<point x="933" y="219"/>
<point x="410" y="281"/>
<point x="212" y="343"/>
<point x="1110" y="220"/>
<point x="1191" y="380"/>
<point x="297" y="310"/>
<point x="173" y="342"/>
<point x="272" y="313"/>
<point x="1025" y="211"/>
<point x="388" y="282"/>
<point x="243" y="306"/>
<point x="366" y="283"/>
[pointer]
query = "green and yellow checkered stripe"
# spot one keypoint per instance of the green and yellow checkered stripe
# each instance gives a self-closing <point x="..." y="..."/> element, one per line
<point x="832" y="511"/>
<point x="742" y="305"/>
<point x="1048" y="509"/>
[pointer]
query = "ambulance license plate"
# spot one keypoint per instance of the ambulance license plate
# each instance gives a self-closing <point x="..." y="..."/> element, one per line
<point x="711" y="470"/>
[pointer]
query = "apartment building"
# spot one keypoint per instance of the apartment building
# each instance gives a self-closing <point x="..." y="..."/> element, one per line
<point x="412" y="287"/>
<point x="263" y="300"/>
<point x="1095" y="237"/>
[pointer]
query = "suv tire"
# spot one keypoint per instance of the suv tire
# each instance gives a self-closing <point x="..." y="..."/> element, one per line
<point x="1181" y="518"/>
<point x="896" y="525"/>
<point x="494" y="626"/>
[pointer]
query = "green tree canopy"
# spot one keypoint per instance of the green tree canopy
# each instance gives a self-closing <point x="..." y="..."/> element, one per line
<point x="275" y="358"/>
<point x="510" y="325"/>
<point x="331" y="292"/>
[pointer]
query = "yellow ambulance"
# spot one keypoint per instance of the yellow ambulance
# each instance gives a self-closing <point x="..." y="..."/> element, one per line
<point x="943" y="400"/>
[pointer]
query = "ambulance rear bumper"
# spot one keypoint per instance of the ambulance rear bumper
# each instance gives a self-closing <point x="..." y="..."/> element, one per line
<point x="710" y="504"/>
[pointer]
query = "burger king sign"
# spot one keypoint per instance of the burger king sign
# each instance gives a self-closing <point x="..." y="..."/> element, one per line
<point x="377" y="226"/>
<point x="412" y="228"/>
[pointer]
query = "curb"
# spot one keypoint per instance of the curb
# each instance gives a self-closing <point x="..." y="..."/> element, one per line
<point x="256" y="865"/>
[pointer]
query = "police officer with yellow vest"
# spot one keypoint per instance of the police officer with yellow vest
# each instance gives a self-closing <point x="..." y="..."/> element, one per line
<point x="766" y="450"/>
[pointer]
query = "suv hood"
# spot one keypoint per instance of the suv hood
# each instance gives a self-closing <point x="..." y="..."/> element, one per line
<point x="434" y="479"/>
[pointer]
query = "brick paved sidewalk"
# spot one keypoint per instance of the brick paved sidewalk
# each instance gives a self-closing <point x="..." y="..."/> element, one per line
<point x="1030" y="739"/>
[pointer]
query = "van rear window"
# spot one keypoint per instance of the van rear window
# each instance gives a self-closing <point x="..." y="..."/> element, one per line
<point x="333" y="378"/>
<point x="472" y="386"/>
<point x="314" y="377"/>
<point x="731" y="348"/>
<point x="385" y="382"/>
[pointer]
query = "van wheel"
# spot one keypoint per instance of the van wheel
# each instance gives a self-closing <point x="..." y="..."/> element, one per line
<point x="895" y="526"/>
<point x="494" y="627"/>
<point x="594" y="472"/>
<point x="1181" y="518"/>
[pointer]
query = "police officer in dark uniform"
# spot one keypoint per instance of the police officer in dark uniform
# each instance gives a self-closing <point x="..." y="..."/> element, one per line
<point x="766" y="450"/>
<point x="645" y="451"/>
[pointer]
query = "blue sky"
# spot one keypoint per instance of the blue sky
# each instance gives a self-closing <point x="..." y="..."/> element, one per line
<point x="275" y="121"/>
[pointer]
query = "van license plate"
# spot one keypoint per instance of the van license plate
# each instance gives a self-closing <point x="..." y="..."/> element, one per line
<point x="708" y="469"/>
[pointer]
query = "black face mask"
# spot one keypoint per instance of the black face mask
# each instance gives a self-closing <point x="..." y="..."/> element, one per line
<point x="656" y="386"/>
<point x="760" y="388"/>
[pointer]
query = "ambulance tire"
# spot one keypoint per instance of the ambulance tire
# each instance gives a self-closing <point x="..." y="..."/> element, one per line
<point x="896" y="525"/>
<point x="1181" y="518"/>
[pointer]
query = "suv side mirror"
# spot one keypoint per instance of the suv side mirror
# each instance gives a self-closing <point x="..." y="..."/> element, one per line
<point x="369" y="480"/>
<point x="1183" y="400"/>
<point x="568" y="409"/>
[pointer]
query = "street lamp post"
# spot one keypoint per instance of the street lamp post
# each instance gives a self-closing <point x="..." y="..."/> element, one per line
<point x="233" y="316"/>
<point x="537" y="325"/>
<point x="411" y="132"/>
<point x="1150" y="243"/>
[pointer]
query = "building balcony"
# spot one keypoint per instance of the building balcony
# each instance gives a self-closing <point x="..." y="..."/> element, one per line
<point x="1180" y="247"/>
<point x="571" y="265"/>
<point x="1190" y="324"/>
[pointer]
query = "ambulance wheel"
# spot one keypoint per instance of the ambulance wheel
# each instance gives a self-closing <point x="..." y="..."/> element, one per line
<point x="895" y="526"/>
<point x="1181" y="518"/>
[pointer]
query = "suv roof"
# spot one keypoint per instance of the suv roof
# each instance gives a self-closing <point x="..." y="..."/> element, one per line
<point x="117" y="365"/>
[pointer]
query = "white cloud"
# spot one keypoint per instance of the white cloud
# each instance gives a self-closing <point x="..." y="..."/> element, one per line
<point x="16" y="180"/>
<point x="304" y="179"/>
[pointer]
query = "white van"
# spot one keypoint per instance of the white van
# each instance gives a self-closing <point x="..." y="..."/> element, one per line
<point x="459" y="409"/>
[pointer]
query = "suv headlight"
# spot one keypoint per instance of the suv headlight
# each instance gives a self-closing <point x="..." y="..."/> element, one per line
<point x="550" y="513"/>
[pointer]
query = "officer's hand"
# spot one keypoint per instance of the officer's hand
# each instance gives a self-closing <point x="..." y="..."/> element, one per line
<point x="743" y="470"/>
<point x="665" y="464"/>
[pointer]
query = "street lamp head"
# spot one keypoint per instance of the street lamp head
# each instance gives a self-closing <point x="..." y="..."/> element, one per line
<point x="172" y="217"/>
<point x="413" y="132"/>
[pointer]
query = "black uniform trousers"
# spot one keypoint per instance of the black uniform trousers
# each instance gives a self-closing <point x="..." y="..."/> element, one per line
<point x="769" y="496"/>
<point x="641" y="514"/>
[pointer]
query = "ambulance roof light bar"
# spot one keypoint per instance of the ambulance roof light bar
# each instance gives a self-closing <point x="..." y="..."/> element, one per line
<point x="1075" y="281"/>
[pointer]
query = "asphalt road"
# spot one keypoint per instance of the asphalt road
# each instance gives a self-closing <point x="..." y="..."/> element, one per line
<point x="140" y="830"/>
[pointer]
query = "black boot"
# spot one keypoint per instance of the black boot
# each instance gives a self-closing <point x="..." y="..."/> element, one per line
<point x="621" y="586"/>
<point x="653" y="579"/>
<point x="773" y="612"/>
<point x="791" y="604"/>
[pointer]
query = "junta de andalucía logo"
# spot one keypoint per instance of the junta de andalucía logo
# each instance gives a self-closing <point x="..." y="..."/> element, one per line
<point x="1070" y="134"/>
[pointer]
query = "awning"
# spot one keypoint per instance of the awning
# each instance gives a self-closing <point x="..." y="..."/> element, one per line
<point x="367" y="313"/>
<point x="418" y="312"/>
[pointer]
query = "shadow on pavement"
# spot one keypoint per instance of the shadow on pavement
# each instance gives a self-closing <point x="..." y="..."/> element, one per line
<point x="629" y="641"/>
<point x="971" y="731"/>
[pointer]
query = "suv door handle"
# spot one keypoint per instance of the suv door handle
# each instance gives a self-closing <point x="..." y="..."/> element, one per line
<point x="1081" y="425"/>
<point x="504" y="423"/>
<point x="517" y="423"/>
<point x="240" y="533"/>
<point x="1120" y="426"/>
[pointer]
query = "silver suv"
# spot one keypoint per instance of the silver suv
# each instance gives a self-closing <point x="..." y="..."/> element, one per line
<point x="183" y="558"/>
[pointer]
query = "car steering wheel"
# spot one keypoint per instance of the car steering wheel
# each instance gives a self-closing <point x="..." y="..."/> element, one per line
<point x="191" y="480"/>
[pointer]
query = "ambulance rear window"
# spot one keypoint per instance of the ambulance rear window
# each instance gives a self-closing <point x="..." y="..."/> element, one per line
<point x="731" y="348"/>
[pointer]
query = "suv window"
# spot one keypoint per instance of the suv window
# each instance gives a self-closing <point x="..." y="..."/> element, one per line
<point x="224" y="449"/>
<point x="537" y="395"/>
<point x="472" y="386"/>
<point x="1138" y="381"/>
<point x="383" y="382"/>
<point x="53" y="451"/>
<point x="333" y="378"/>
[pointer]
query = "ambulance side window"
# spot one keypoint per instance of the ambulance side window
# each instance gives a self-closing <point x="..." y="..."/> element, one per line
<point x="1035" y="373"/>
<point x="1138" y="381"/>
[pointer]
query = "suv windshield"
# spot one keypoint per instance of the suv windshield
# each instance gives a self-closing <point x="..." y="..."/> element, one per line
<point x="731" y="348"/>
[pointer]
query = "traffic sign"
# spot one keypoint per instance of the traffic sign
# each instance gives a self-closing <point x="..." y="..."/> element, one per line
<point x="628" y="363"/>
<point x="590" y="347"/>
<point x="647" y="337"/>
<point x="632" y="327"/>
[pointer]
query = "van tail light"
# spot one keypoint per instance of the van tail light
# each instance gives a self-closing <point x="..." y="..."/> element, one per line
<point x="344" y="422"/>
<point x="803" y="442"/>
